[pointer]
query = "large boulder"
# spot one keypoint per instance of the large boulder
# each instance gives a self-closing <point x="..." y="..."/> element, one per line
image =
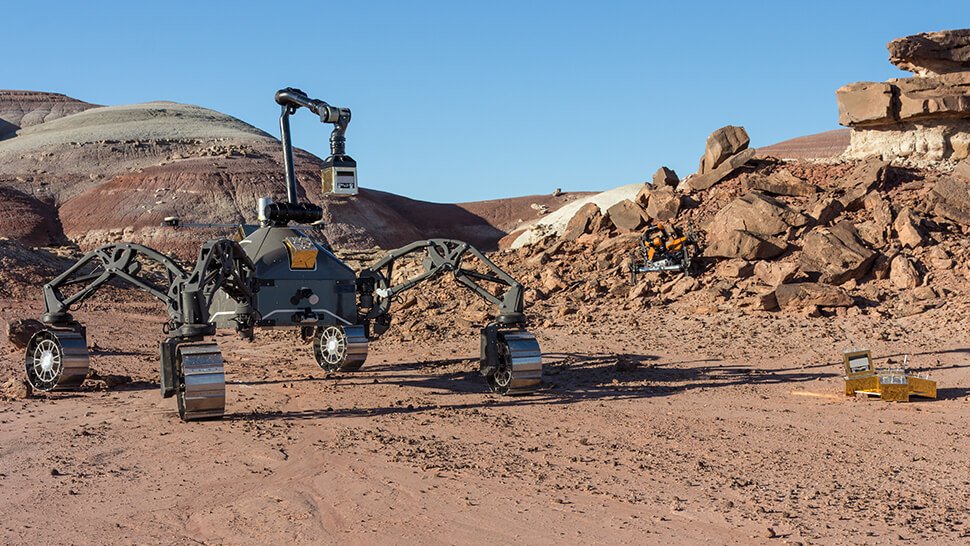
<point x="836" y="254"/>
<point x="722" y="144"/>
<point x="903" y="274"/>
<point x="706" y="180"/>
<point x="663" y="204"/>
<point x="808" y="294"/>
<point x="749" y="227"/>
<point x="781" y="182"/>
<point x="952" y="199"/>
<point x="861" y="180"/>
<point x="932" y="53"/>
<point x="908" y="229"/>
<point x="744" y="244"/>
<point x="582" y="221"/>
<point x="627" y="215"/>
<point x="665" y="177"/>
<point x="758" y="213"/>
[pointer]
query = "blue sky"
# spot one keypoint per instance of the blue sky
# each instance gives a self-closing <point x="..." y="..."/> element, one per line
<point x="458" y="101"/>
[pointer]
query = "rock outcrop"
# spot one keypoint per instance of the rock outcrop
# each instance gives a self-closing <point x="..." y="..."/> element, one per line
<point x="932" y="53"/>
<point x="919" y="120"/>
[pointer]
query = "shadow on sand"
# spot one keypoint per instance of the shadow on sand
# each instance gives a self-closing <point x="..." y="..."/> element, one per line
<point x="568" y="378"/>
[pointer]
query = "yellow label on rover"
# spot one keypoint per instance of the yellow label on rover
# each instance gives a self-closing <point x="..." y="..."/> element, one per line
<point x="302" y="251"/>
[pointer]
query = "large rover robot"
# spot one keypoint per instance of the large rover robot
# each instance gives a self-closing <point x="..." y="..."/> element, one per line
<point x="275" y="276"/>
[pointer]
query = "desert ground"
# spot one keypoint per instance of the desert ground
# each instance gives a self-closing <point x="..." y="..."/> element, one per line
<point x="652" y="427"/>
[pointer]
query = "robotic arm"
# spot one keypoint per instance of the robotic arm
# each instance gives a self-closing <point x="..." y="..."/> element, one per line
<point x="441" y="256"/>
<point x="339" y="174"/>
<point x="510" y="357"/>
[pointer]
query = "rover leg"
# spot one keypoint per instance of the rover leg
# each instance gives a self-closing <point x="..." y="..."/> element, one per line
<point x="340" y="348"/>
<point x="56" y="359"/>
<point x="511" y="361"/>
<point x="200" y="390"/>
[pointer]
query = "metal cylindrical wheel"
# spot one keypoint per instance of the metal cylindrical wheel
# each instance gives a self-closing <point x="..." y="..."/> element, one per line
<point x="201" y="389"/>
<point x="340" y="348"/>
<point x="56" y="360"/>
<point x="520" y="364"/>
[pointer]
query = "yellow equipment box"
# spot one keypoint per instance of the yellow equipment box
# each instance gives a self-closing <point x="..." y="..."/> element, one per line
<point x="302" y="251"/>
<point x="890" y="385"/>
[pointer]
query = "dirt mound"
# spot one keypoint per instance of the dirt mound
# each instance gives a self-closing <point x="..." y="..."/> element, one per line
<point x="23" y="270"/>
<point x="19" y="109"/>
<point x="28" y="220"/>
<point x="829" y="144"/>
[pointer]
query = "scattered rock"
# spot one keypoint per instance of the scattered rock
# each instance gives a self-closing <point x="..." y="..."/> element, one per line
<point x="15" y="389"/>
<point x="882" y="213"/>
<point x="551" y="282"/>
<point x="826" y="210"/>
<point x="736" y="269"/>
<point x="681" y="286"/>
<point x="775" y="273"/>
<point x="903" y="274"/>
<point x="663" y="204"/>
<point x="908" y="230"/>
<point x="781" y="183"/>
<point x="865" y="177"/>
<point x="19" y="331"/>
<point x="836" y="254"/>
<point x="731" y="164"/>
<point x="962" y="170"/>
<point x="809" y="294"/>
<point x="665" y="177"/>
<point x="952" y="199"/>
<point x="880" y="267"/>
<point x="582" y="221"/>
<point x="627" y="216"/>
<point x="767" y="301"/>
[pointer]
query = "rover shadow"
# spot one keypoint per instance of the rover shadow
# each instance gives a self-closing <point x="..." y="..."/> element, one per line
<point x="569" y="378"/>
<point x="950" y="393"/>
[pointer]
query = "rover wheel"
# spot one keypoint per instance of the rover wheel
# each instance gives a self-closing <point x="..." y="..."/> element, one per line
<point x="520" y="364"/>
<point x="201" y="389"/>
<point x="56" y="360"/>
<point x="340" y="348"/>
